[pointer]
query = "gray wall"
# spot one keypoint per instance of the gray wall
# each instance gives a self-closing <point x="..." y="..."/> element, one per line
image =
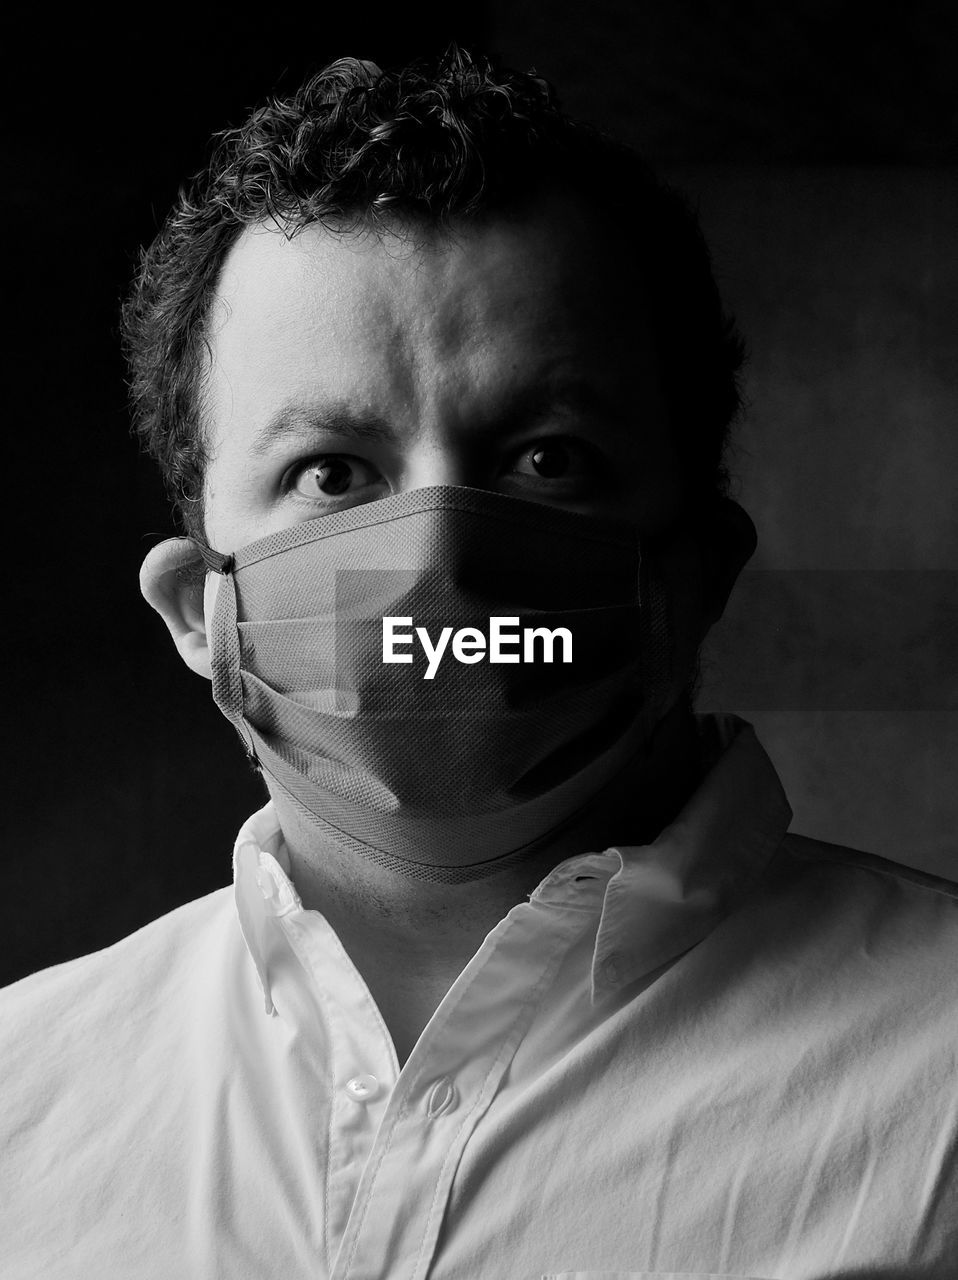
<point x="841" y="643"/>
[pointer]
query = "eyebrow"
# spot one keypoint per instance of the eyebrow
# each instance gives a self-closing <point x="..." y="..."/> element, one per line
<point x="575" y="396"/>
<point x="297" y="422"/>
<point x="300" y="422"/>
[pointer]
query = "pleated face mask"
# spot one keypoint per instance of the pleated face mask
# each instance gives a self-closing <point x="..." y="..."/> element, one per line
<point x="444" y="679"/>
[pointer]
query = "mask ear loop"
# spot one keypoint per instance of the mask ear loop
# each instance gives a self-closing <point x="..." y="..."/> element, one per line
<point x="225" y="643"/>
<point x="215" y="560"/>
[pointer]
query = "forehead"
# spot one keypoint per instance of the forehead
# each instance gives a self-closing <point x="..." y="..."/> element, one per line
<point x="557" y="248"/>
<point x="551" y="285"/>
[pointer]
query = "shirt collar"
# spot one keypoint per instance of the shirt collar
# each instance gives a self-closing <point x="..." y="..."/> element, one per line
<point x="668" y="895"/>
<point x="663" y="898"/>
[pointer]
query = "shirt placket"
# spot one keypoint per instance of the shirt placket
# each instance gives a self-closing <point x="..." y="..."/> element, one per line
<point x="396" y="1138"/>
<point x="361" y="1069"/>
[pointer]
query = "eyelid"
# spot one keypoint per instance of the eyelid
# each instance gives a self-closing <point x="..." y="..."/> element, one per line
<point x="543" y="438"/>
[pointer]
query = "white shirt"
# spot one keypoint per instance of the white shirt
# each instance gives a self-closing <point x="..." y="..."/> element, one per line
<point x="731" y="1052"/>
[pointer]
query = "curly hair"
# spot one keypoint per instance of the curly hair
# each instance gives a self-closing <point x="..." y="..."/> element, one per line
<point x="452" y="139"/>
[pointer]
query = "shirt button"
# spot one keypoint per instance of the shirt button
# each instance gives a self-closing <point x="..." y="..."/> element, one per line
<point x="363" y="1088"/>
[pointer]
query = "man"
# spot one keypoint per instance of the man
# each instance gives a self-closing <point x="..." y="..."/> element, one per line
<point x="520" y="974"/>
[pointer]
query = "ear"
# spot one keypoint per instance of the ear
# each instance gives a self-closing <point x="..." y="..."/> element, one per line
<point x="728" y="540"/>
<point x="172" y="581"/>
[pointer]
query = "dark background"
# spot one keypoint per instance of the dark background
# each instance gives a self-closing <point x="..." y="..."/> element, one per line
<point x="822" y="151"/>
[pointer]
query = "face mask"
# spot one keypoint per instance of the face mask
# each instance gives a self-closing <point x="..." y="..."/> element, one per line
<point x="450" y="766"/>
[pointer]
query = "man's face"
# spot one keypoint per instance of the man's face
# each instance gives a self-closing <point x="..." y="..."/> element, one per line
<point x="514" y="356"/>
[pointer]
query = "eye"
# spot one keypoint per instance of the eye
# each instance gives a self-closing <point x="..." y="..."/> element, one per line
<point x="332" y="476"/>
<point x="556" y="459"/>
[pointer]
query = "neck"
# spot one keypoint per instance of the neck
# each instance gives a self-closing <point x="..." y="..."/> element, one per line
<point x="383" y="913"/>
